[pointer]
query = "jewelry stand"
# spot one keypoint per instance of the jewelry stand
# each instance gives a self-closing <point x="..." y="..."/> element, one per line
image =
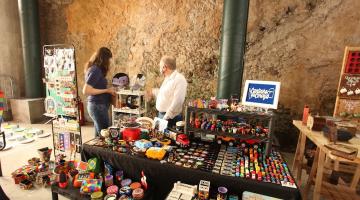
<point x="62" y="99"/>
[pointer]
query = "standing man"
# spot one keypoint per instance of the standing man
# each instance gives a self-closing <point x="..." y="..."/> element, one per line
<point x="171" y="95"/>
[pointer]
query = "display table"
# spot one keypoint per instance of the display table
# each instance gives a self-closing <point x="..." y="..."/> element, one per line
<point x="161" y="177"/>
<point x="74" y="193"/>
<point x="70" y="193"/>
<point x="321" y="154"/>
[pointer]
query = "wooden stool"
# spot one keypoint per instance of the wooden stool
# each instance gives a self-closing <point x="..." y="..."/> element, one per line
<point x="323" y="159"/>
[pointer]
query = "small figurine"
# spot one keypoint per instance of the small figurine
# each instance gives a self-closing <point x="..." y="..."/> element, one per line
<point x="59" y="159"/>
<point x="182" y="140"/>
<point x="213" y="103"/>
<point x="258" y="129"/>
<point x="138" y="82"/>
<point x="253" y="131"/>
<point x="253" y="175"/>
<point x="208" y="126"/>
<point x="170" y="157"/>
<point x="213" y="126"/>
<point x="219" y="125"/>
<point x="206" y="104"/>
<point x="143" y="180"/>
<point x="197" y="123"/>
<point x="234" y="130"/>
<point x="63" y="182"/>
<point x="199" y="103"/>
<point x="203" y="125"/>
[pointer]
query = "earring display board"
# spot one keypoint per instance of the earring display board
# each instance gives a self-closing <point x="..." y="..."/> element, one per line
<point x="61" y="102"/>
<point x="67" y="138"/>
<point x="60" y="78"/>
<point x="347" y="104"/>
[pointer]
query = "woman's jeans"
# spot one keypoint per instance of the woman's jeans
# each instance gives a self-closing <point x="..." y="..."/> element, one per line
<point x="99" y="113"/>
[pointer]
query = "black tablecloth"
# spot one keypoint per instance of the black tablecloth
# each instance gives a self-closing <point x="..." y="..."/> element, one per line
<point x="161" y="177"/>
<point x="69" y="192"/>
<point x="74" y="193"/>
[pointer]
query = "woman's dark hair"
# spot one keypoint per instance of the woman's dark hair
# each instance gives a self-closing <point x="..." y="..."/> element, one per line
<point x="101" y="58"/>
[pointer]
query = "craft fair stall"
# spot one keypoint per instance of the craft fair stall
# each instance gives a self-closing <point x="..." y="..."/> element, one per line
<point x="142" y="158"/>
<point x="222" y="150"/>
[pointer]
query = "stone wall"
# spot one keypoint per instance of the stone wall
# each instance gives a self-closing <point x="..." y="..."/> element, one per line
<point x="297" y="42"/>
<point x="139" y="34"/>
<point x="301" y="43"/>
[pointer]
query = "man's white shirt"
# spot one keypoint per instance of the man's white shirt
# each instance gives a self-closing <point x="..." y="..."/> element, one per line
<point x="171" y="95"/>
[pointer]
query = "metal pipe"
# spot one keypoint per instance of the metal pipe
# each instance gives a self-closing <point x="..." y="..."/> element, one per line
<point x="233" y="42"/>
<point x="30" y="36"/>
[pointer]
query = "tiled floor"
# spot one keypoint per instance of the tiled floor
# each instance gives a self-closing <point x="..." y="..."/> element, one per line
<point x="328" y="191"/>
<point x="331" y="192"/>
<point x="14" y="158"/>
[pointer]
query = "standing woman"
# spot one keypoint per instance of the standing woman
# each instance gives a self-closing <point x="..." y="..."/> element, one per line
<point x="99" y="96"/>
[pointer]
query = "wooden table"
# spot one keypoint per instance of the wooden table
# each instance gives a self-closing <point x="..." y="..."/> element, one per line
<point x="321" y="153"/>
<point x="70" y="193"/>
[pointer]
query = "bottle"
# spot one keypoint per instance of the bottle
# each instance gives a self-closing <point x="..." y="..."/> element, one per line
<point x="305" y="114"/>
<point x="222" y="193"/>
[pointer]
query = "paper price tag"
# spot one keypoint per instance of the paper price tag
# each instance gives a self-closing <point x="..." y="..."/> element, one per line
<point x="288" y="184"/>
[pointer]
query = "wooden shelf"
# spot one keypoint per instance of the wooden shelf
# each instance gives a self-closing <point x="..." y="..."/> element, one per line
<point x="227" y="113"/>
<point x="50" y="115"/>
<point x="59" y="129"/>
<point x="269" y="116"/>
<point x="58" y="116"/>
<point x="141" y="110"/>
<point x="234" y="135"/>
<point x="130" y="111"/>
<point x="131" y="92"/>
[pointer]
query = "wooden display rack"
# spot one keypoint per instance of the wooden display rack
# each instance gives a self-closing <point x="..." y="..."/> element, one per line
<point x="266" y="117"/>
<point x="348" y="93"/>
<point x="118" y="109"/>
